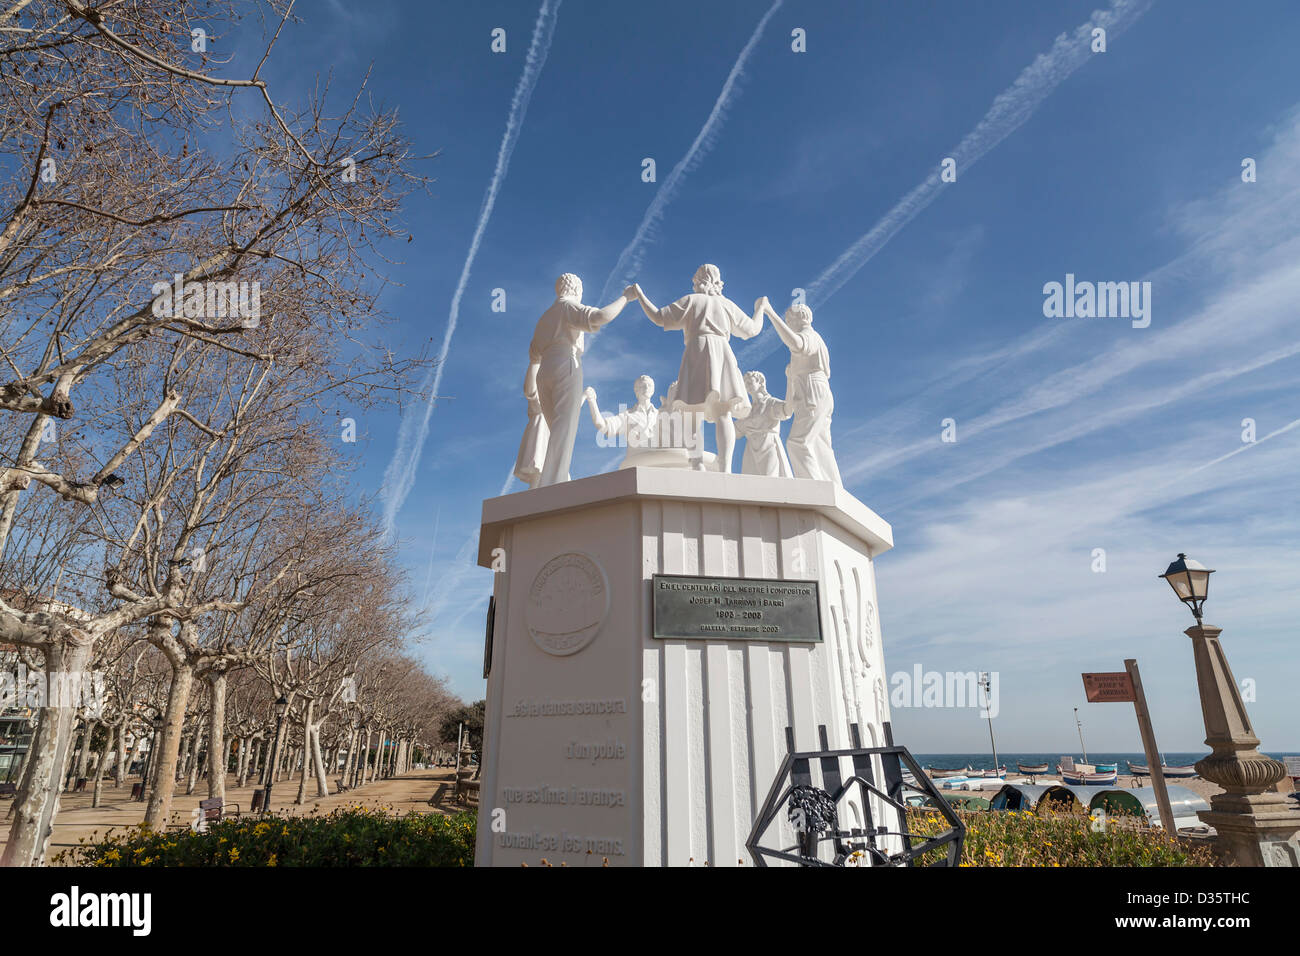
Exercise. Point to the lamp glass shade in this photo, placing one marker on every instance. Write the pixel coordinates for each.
(281, 705)
(1189, 578)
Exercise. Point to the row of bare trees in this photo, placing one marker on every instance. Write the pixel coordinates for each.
(188, 298)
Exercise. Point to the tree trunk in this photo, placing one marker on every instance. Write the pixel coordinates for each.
(84, 753)
(38, 801)
(119, 771)
(250, 762)
(217, 750)
(322, 784)
(183, 761)
(160, 799)
(281, 749)
(99, 771)
(194, 762)
(347, 761)
(306, 738)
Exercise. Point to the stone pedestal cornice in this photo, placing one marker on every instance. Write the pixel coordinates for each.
(1256, 827)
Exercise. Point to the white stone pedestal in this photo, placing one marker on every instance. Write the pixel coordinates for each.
(604, 743)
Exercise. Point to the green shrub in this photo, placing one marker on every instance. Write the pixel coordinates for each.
(350, 836)
(1022, 838)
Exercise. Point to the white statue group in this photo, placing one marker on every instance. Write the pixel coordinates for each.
(709, 388)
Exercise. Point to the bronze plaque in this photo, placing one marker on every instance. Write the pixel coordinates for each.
(689, 607)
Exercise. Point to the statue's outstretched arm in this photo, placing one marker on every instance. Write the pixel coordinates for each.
(610, 312)
(648, 307)
(788, 335)
(589, 396)
(606, 426)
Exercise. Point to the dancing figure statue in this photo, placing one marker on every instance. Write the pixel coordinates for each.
(654, 437)
(761, 429)
(639, 425)
(808, 395)
(709, 384)
(554, 378)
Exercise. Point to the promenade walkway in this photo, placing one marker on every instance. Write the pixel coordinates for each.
(77, 819)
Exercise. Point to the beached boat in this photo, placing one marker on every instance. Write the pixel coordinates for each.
(940, 772)
(1085, 778)
(1106, 767)
(989, 774)
(1032, 768)
(1085, 774)
(1144, 770)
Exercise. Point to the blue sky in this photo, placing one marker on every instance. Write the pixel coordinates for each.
(1072, 433)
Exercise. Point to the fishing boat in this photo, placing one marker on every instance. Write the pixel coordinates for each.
(1144, 770)
(991, 774)
(1107, 767)
(937, 773)
(1032, 768)
(1082, 778)
(1085, 774)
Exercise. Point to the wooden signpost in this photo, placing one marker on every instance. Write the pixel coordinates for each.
(1123, 686)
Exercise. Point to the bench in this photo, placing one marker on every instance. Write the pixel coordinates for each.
(137, 791)
(211, 810)
(340, 786)
(9, 790)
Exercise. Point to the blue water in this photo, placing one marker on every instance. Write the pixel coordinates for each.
(984, 761)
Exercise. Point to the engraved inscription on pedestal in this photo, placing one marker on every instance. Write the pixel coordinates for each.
(735, 609)
(567, 603)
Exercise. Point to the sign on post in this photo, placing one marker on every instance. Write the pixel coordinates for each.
(1123, 687)
(1115, 687)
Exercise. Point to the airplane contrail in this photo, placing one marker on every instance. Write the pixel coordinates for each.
(465, 563)
(399, 478)
(630, 259)
(1009, 111)
(1273, 434)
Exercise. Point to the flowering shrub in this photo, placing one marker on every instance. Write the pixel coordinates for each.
(1022, 838)
(349, 836)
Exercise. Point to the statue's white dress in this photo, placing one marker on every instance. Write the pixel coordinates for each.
(761, 429)
(709, 380)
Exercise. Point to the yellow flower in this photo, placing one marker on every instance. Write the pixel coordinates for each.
(271, 861)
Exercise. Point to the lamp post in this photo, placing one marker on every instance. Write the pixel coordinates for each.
(1254, 824)
(986, 684)
(281, 708)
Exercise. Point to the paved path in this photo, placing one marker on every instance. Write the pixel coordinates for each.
(77, 820)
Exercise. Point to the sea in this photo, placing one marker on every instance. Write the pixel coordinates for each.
(1009, 759)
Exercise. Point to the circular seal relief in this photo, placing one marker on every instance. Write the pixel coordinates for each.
(567, 603)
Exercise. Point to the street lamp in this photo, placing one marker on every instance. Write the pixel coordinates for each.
(281, 708)
(1254, 825)
(1191, 582)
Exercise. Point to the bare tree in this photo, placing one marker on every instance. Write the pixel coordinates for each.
(155, 229)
